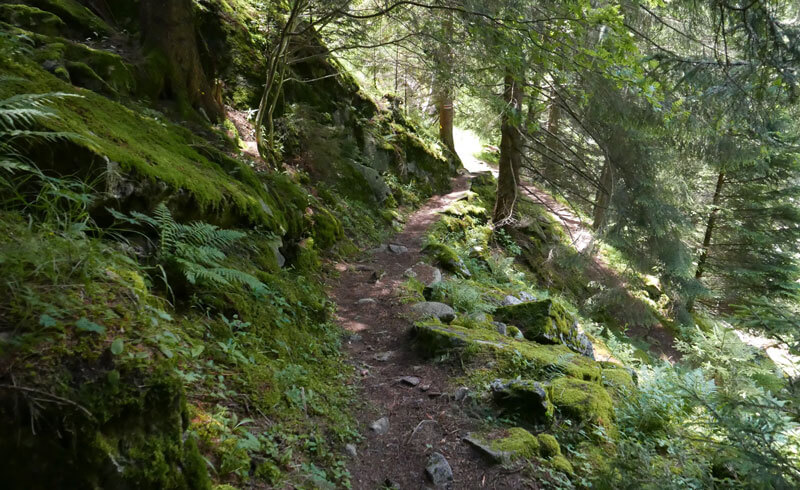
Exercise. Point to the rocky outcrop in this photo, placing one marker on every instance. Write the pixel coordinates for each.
(546, 322)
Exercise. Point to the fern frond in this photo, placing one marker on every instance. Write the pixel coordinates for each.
(168, 228)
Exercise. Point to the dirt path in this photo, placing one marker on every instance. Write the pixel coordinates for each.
(422, 419)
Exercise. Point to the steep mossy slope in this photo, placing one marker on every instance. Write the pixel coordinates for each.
(130, 361)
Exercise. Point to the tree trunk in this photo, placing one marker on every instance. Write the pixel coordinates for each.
(710, 224)
(603, 196)
(553, 126)
(510, 152)
(168, 27)
(444, 89)
(444, 105)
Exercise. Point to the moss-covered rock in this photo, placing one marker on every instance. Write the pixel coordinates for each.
(549, 446)
(582, 401)
(506, 446)
(527, 398)
(78, 17)
(32, 19)
(543, 360)
(546, 322)
(117, 435)
(447, 258)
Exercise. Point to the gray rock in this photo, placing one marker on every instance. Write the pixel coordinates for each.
(275, 245)
(380, 249)
(397, 249)
(431, 309)
(529, 398)
(461, 394)
(380, 426)
(376, 183)
(424, 273)
(367, 301)
(503, 457)
(502, 328)
(383, 356)
(526, 297)
(510, 300)
(351, 451)
(410, 380)
(438, 470)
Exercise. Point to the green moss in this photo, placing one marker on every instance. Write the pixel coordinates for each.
(562, 464)
(518, 443)
(515, 356)
(549, 446)
(582, 401)
(32, 18)
(149, 148)
(618, 380)
(327, 230)
(75, 15)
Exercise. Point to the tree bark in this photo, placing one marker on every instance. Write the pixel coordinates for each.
(444, 90)
(168, 27)
(712, 220)
(603, 197)
(510, 152)
(710, 224)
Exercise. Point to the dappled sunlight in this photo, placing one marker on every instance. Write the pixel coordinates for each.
(468, 147)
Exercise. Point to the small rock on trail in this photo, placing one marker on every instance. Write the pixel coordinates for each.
(432, 309)
(397, 249)
(380, 426)
(410, 380)
(439, 470)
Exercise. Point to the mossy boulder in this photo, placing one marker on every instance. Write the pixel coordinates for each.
(32, 19)
(548, 446)
(544, 360)
(506, 446)
(582, 401)
(447, 258)
(125, 431)
(527, 398)
(78, 17)
(547, 322)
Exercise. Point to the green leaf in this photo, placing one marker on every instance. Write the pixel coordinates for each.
(166, 351)
(47, 321)
(89, 326)
(197, 350)
(117, 346)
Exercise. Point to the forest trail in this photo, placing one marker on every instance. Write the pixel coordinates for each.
(425, 413)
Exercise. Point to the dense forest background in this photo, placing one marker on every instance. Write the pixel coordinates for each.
(186, 185)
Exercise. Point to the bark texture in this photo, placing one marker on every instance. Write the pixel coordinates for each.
(169, 28)
(510, 152)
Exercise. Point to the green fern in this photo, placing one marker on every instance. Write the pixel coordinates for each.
(196, 249)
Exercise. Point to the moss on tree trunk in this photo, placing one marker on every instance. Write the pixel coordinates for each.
(168, 28)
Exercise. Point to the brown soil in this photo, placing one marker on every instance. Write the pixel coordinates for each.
(422, 419)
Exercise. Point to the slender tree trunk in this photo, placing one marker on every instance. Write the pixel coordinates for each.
(510, 152)
(553, 121)
(603, 197)
(712, 221)
(273, 87)
(710, 224)
(168, 27)
(444, 95)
